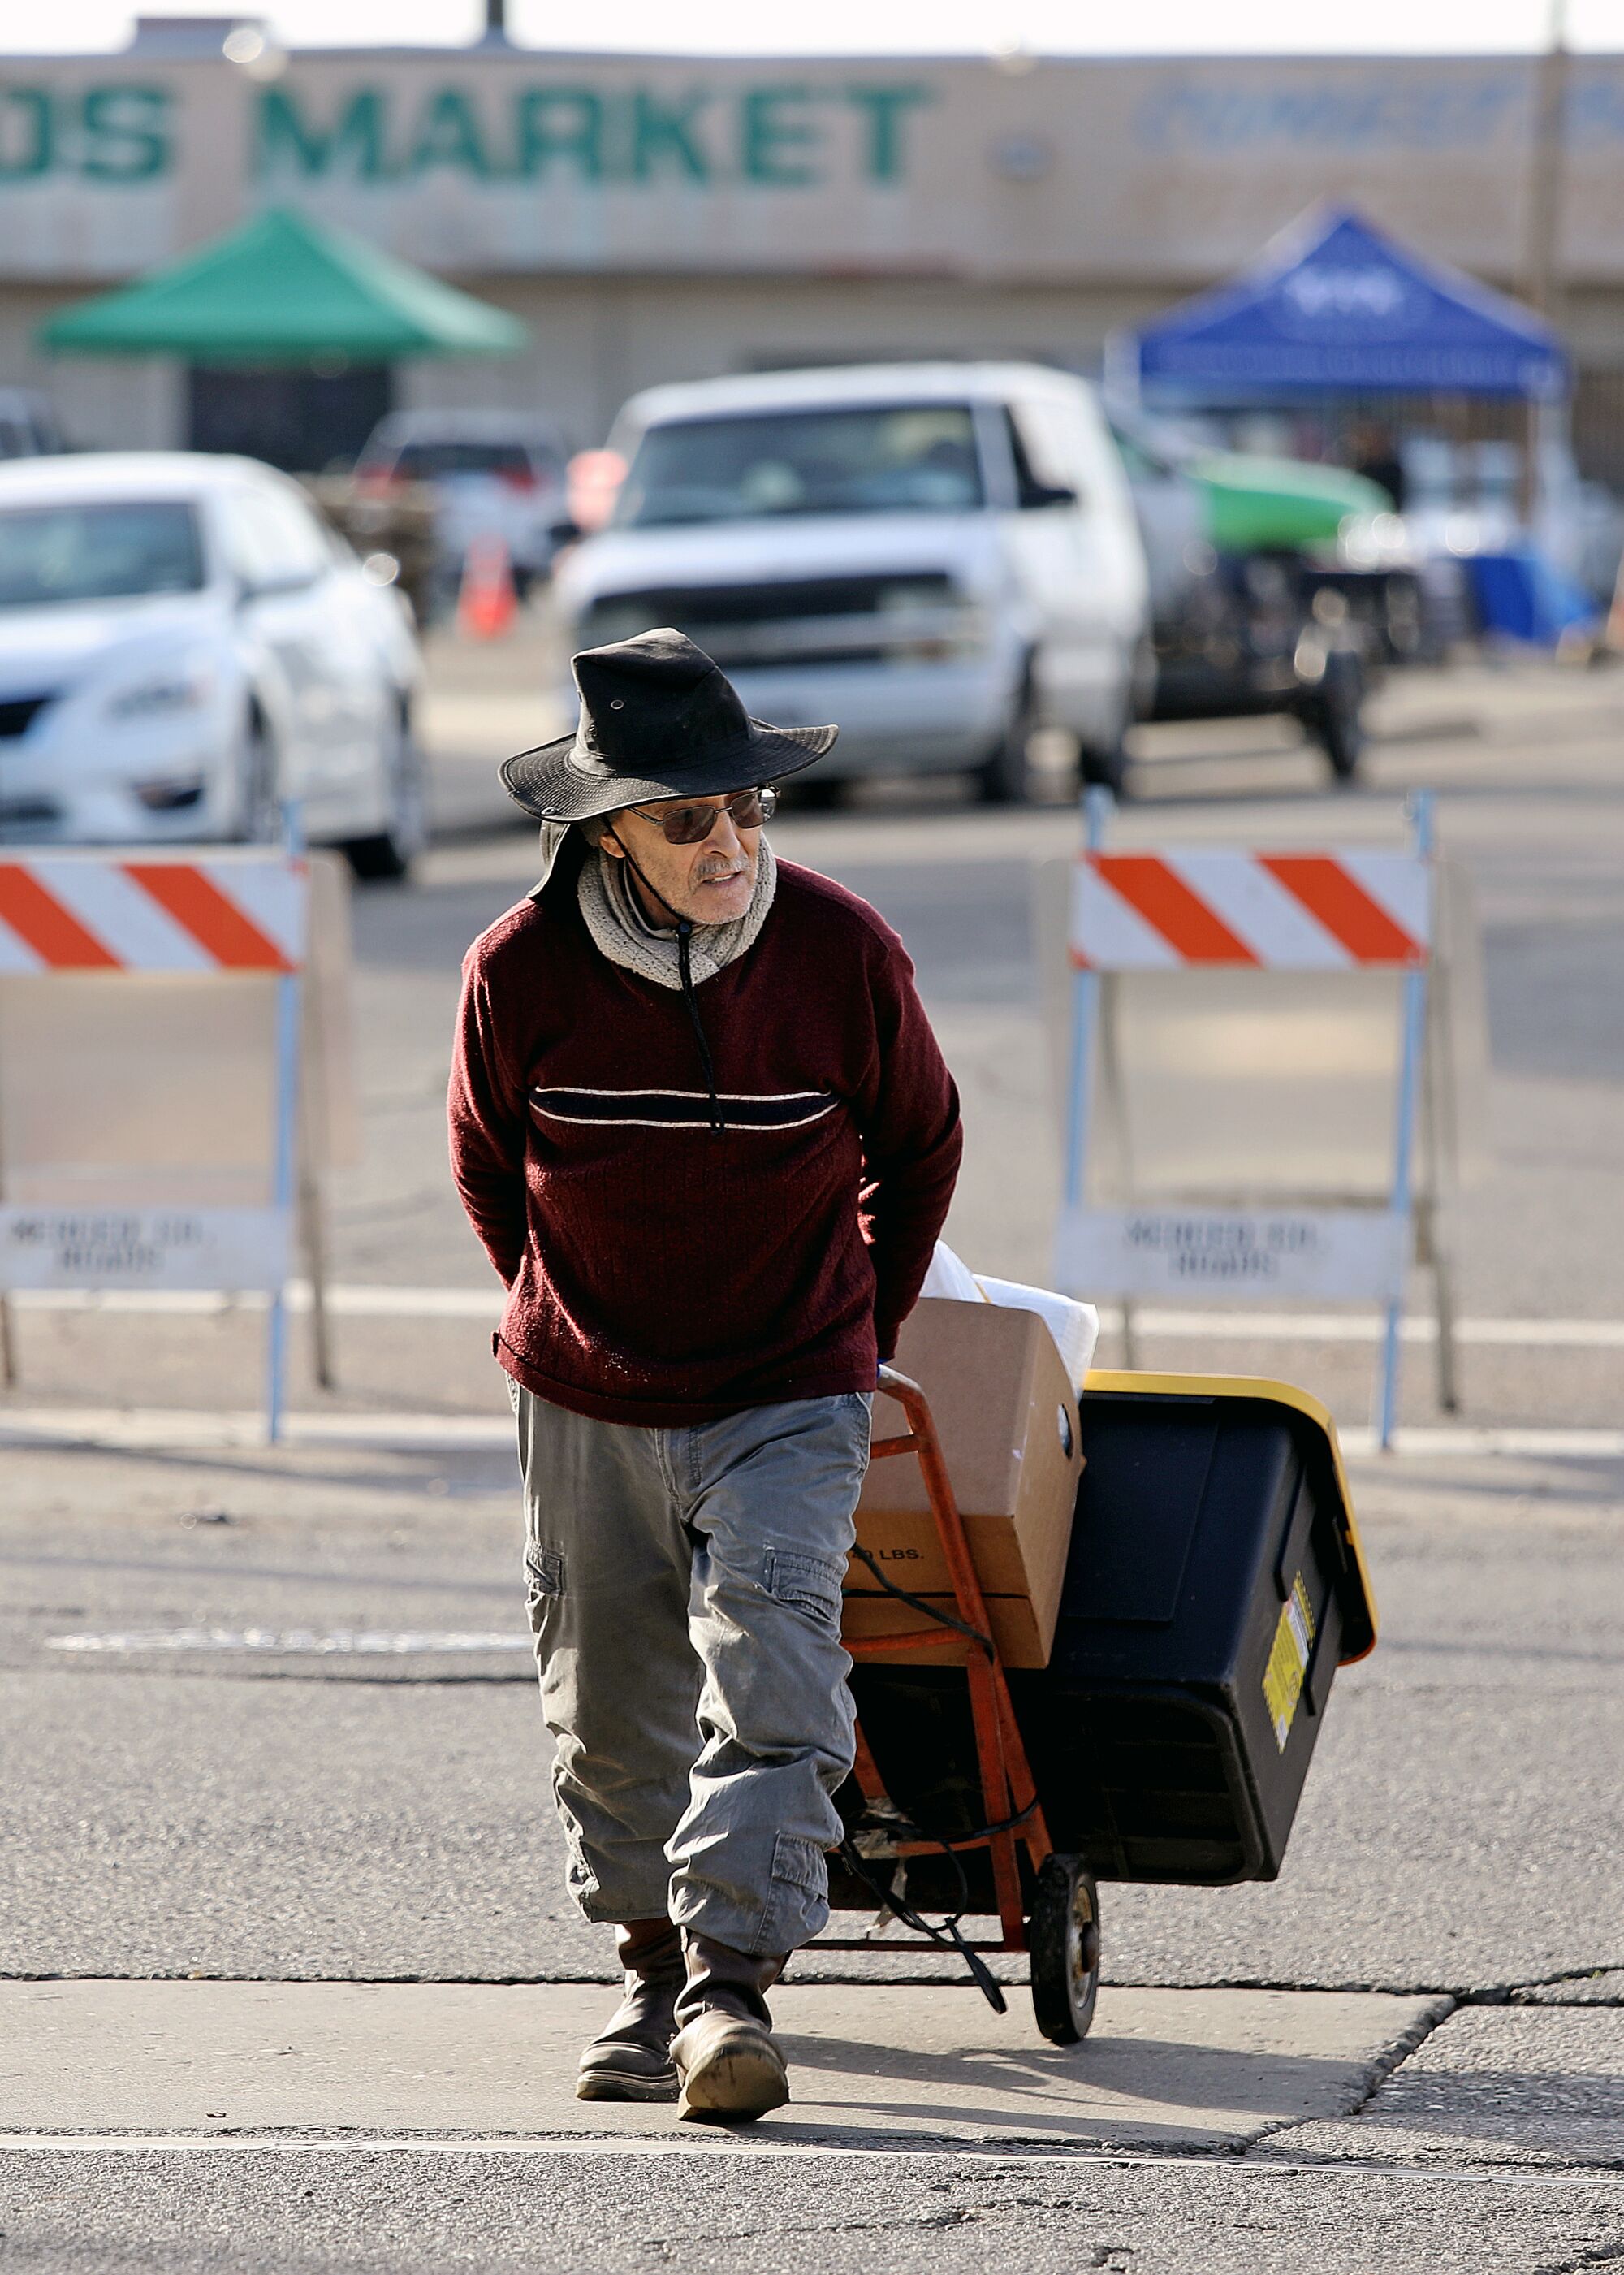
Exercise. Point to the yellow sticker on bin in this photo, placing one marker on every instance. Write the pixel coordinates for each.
(1289, 1656)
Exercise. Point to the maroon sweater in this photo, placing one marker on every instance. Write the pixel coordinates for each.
(660, 1271)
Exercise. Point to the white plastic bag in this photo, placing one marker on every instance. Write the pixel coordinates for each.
(951, 1278)
(1075, 1326)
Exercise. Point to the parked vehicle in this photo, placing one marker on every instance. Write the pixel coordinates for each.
(183, 645)
(493, 473)
(942, 557)
(28, 428)
(1245, 620)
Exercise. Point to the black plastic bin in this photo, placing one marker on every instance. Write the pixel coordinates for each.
(1215, 1583)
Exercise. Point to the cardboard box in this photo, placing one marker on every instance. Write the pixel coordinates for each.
(1014, 1624)
(1007, 1422)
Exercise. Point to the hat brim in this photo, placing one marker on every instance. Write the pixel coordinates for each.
(546, 784)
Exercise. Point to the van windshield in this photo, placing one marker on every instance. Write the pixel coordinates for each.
(902, 458)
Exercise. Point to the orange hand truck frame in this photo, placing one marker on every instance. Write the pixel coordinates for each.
(1061, 1931)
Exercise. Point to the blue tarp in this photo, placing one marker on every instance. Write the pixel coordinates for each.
(1521, 596)
(1333, 305)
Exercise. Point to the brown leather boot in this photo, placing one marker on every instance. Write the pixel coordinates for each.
(728, 2067)
(631, 2058)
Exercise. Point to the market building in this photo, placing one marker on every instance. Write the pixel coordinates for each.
(651, 218)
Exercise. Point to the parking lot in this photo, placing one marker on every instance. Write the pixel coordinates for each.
(270, 1734)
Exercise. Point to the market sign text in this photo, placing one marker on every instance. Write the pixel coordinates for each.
(782, 134)
(114, 134)
(777, 135)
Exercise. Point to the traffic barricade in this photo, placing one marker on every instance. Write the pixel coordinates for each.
(171, 1081)
(1252, 1036)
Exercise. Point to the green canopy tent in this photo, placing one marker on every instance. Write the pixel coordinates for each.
(290, 327)
(285, 290)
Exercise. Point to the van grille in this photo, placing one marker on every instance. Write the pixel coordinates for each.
(794, 621)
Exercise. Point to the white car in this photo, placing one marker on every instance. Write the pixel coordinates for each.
(185, 645)
(939, 557)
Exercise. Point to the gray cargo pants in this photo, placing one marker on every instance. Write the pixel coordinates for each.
(683, 1589)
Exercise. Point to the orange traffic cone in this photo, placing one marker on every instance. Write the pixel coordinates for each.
(487, 603)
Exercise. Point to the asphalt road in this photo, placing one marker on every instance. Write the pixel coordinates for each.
(280, 1799)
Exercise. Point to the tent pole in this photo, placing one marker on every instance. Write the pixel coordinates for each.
(1541, 282)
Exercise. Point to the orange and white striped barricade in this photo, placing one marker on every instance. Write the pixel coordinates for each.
(187, 915)
(1216, 908)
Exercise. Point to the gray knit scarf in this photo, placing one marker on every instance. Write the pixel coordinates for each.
(624, 934)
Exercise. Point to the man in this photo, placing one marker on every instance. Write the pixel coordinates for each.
(700, 1123)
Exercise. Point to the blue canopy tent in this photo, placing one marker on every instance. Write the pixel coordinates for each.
(1333, 306)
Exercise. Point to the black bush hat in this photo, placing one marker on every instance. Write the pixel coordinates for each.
(659, 718)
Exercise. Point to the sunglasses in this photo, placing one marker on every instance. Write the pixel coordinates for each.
(691, 824)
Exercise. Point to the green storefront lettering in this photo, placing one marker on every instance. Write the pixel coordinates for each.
(562, 122)
(449, 135)
(26, 138)
(780, 139)
(882, 109)
(774, 143)
(109, 135)
(286, 142)
(126, 134)
(664, 138)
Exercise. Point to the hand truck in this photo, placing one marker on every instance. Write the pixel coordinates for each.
(1048, 1905)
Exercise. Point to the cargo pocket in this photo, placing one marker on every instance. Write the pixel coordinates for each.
(798, 1905)
(807, 1583)
(544, 1578)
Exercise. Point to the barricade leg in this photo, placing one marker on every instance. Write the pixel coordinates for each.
(313, 1237)
(1403, 1155)
(1431, 1251)
(288, 994)
(1085, 1018)
(284, 1151)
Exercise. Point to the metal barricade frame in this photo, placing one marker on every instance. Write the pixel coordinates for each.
(1346, 909)
(192, 910)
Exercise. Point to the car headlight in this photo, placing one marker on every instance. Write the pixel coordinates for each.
(163, 697)
(953, 626)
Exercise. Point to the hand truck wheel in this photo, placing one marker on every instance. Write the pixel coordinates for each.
(1063, 1939)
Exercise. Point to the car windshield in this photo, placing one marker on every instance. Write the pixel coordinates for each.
(903, 458)
(98, 551)
(427, 462)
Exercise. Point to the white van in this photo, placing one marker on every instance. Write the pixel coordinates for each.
(940, 558)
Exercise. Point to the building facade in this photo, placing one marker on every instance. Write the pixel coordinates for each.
(652, 218)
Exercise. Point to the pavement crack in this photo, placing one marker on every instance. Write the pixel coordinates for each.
(1397, 2051)
(1605, 2254)
(1520, 1993)
(1463, 1995)
(669, 2247)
